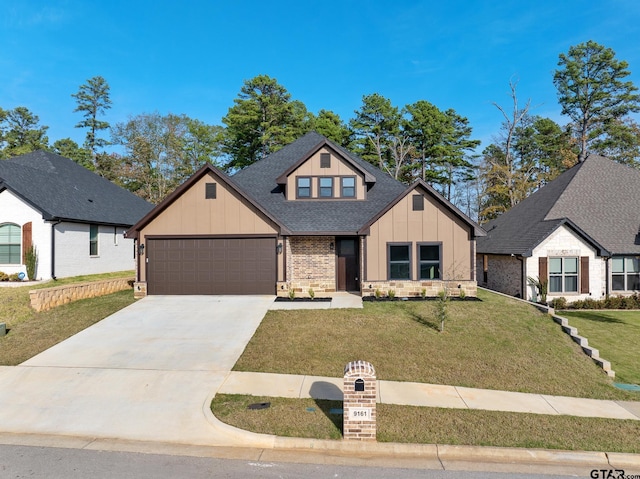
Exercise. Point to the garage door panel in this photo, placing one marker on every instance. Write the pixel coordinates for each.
(211, 266)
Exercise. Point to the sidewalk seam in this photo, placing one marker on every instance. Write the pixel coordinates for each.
(461, 398)
(550, 405)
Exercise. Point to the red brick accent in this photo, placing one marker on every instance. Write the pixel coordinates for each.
(362, 401)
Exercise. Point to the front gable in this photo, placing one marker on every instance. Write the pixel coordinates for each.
(418, 217)
(206, 205)
(325, 173)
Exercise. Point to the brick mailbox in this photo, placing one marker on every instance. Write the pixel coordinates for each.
(360, 393)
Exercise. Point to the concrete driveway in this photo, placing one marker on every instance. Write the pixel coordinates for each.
(146, 373)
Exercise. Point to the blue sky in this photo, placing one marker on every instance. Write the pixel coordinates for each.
(192, 57)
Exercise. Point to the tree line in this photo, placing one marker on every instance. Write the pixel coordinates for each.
(419, 140)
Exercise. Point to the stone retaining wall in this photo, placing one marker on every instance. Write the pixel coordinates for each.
(411, 289)
(48, 298)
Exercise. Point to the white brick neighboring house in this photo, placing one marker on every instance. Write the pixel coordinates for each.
(580, 233)
(75, 218)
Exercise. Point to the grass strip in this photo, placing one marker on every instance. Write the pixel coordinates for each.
(311, 418)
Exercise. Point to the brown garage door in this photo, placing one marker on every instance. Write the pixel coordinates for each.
(211, 266)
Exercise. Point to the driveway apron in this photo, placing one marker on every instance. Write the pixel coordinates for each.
(145, 373)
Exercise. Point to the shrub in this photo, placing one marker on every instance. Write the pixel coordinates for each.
(378, 293)
(559, 303)
(312, 293)
(292, 293)
(391, 294)
(14, 277)
(31, 262)
(423, 293)
(4, 276)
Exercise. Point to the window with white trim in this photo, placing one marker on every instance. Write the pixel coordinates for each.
(563, 275)
(625, 273)
(10, 244)
(93, 240)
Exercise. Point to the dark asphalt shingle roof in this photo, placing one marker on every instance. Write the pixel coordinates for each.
(259, 181)
(599, 198)
(61, 189)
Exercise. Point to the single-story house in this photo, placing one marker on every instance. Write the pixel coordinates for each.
(75, 219)
(310, 216)
(580, 233)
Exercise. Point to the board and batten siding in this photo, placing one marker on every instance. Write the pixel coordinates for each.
(434, 224)
(193, 214)
(338, 168)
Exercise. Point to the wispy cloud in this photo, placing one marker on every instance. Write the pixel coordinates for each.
(28, 15)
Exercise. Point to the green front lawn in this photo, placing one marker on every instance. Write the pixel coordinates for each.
(498, 343)
(616, 334)
(31, 333)
(314, 418)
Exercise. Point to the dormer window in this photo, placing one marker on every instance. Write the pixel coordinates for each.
(348, 186)
(325, 187)
(303, 187)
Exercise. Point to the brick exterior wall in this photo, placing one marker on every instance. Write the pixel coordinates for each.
(310, 264)
(504, 273)
(408, 289)
(49, 298)
(359, 425)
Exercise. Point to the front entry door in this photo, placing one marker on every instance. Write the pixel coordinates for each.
(348, 268)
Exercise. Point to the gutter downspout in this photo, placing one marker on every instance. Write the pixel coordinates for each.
(523, 281)
(53, 249)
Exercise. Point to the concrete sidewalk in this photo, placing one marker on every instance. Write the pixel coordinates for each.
(429, 395)
(339, 299)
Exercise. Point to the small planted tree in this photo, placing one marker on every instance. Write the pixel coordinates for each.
(441, 307)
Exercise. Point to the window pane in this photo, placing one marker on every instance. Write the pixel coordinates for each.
(399, 253)
(430, 252)
(633, 265)
(617, 265)
(555, 284)
(617, 282)
(304, 187)
(429, 271)
(93, 240)
(399, 271)
(346, 246)
(304, 182)
(571, 265)
(348, 187)
(633, 282)
(326, 187)
(571, 284)
(10, 254)
(555, 265)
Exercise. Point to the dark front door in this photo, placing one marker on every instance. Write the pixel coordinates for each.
(348, 270)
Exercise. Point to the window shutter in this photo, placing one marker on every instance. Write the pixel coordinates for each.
(584, 274)
(543, 271)
(27, 241)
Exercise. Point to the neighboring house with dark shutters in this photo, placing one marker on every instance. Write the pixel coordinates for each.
(310, 216)
(580, 232)
(75, 219)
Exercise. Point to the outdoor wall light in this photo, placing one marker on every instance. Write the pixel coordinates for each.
(141, 249)
(279, 248)
(331, 246)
